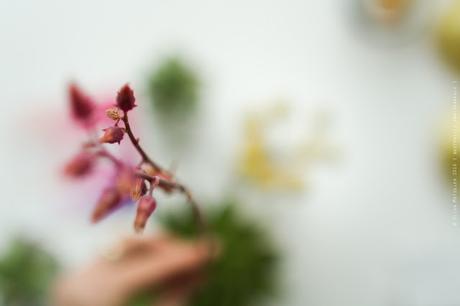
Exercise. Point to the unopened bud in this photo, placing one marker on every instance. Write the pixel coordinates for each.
(138, 189)
(167, 178)
(80, 165)
(81, 106)
(125, 181)
(162, 175)
(114, 113)
(148, 168)
(125, 98)
(113, 134)
(147, 205)
(109, 200)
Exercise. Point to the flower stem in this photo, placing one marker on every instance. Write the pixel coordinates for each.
(162, 182)
(135, 142)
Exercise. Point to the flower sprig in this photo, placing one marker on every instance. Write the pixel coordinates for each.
(131, 182)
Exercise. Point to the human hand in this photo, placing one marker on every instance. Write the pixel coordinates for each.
(136, 265)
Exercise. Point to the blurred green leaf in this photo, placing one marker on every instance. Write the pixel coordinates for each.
(246, 269)
(174, 88)
(26, 270)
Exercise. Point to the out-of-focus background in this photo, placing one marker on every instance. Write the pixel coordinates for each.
(367, 218)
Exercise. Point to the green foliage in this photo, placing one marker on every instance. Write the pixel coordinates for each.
(174, 88)
(142, 299)
(246, 267)
(26, 271)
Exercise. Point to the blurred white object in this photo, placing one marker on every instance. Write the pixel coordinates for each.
(393, 21)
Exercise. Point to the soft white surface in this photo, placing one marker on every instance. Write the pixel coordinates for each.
(373, 230)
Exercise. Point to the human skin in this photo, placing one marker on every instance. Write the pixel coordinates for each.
(170, 265)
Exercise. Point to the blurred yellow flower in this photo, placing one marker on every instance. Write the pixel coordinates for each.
(257, 163)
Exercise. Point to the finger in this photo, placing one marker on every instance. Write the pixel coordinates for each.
(134, 246)
(177, 259)
(137, 241)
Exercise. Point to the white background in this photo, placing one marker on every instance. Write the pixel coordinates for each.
(374, 229)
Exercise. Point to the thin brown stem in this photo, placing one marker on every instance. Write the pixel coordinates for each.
(137, 146)
(162, 182)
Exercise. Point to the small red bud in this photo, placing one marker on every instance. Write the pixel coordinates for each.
(125, 181)
(109, 200)
(81, 106)
(138, 189)
(147, 168)
(167, 177)
(147, 205)
(80, 165)
(113, 134)
(126, 99)
(160, 174)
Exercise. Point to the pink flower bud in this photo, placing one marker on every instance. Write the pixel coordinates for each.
(162, 175)
(108, 201)
(113, 134)
(145, 208)
(138, 189)
(81, 106)
(125, 181)
(80, 165)
(165, 187)
(126, 99)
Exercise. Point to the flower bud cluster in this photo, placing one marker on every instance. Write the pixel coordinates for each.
(129, 184)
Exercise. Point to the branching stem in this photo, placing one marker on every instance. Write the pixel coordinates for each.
(137, 146)
(167, 184)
